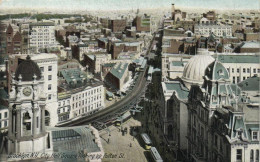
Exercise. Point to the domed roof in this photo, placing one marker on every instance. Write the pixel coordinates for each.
(216, 71)
(27, 69)
(194, 70)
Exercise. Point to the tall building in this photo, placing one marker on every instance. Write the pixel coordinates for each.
(13, 41)
(48, 64)
(142, 23)
(42, 35)
(27, 131)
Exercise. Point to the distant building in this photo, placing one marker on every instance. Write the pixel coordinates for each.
(218, 30)
(142, 23)
(13, 41)
(117, 25)
(94, 61)
(42, 35)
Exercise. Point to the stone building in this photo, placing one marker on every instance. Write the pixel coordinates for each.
(27, 108)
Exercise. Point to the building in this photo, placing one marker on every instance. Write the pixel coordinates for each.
(48, 64)
(117, 25)
(78, 94)
(174, 113)
(13, 41)
(4, 116)
(240, 66)
(42, 35)
(222, 125)
(94, 61)
(218, 30)
(27, 102)
(142, 23)
(118, 76)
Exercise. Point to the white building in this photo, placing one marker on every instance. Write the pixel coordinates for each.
(173, 65)
(240, 66)
(48, 64)
(87, 101)
(218, 30)
(42, 35)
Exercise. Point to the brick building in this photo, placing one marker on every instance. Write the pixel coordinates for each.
(142, 23)
(117, 25)
(13, 41)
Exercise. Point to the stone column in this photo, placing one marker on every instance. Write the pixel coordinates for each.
(33, 122)
(43, 118)
(18, 123)
(10, 124)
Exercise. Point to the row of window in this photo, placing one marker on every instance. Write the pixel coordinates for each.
(92, 92)
(248, 70)
(239, 155)
(89, 108)
(87, 101)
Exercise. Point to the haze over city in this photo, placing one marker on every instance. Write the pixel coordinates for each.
(90, 5)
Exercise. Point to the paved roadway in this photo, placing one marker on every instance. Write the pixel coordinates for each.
(130, 100)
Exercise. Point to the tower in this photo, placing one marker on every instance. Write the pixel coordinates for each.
(26, 132)
(173, 11)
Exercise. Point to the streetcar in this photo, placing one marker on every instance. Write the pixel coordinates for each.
(156, 157)
(146, 141)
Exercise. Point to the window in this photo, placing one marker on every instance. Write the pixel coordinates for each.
(37, 122)
(234, 79)
(42, 69)
(238, 80)
(244, 78)
(5, 114)
(5, 123)
(238, 70)
(232, 70)
(239, 154)
(258, 70)
(49, 87)
(59, 104)
(49, 97)
(0, 115)
(248, 70)
(216, 140)
(257, 155)
(252, 155)
(254, 70)
(244, 70)
(255, 135)
(49, 68)
(49, 77)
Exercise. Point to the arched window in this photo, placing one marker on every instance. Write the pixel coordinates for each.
(257, 156)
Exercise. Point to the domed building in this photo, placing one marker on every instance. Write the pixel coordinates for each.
(27, 70)
(194, 70)
(27, 106)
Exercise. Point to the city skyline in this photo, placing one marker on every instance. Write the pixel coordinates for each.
(91, 5)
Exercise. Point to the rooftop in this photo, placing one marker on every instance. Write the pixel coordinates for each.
(239, 58)
(250, 84)
(119, 69)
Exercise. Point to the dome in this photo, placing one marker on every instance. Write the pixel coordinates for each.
(216, 71)
(27, 69)
(194, 70)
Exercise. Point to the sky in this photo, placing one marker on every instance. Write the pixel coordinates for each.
(127, 4)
